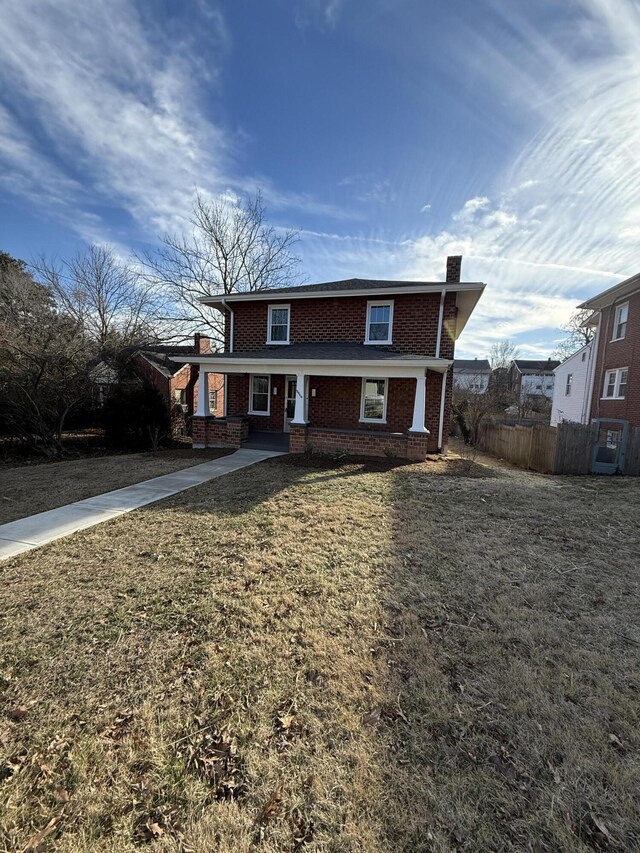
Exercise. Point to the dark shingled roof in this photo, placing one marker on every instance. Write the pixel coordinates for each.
(538, 365)
(348, 284)
(471, 364)
(328, 351)
(160, 357)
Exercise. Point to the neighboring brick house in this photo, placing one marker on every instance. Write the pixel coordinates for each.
(616, 378)
(177, 381)
(358, 365)
(471, 374)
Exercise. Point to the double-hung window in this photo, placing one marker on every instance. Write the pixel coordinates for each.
(373, 402)
(379, 322)
(620, 324)
(259, 394)
(213, 399)
(278, 324)
(615, 384)
(567, 390)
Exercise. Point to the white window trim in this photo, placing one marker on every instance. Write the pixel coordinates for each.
(250, 407)
(270, 309)
(363, 386)
(568, 385)
(373, 304)
(616, 322)
(618, 374)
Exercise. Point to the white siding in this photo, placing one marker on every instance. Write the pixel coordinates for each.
(574, 406)
(467, 381)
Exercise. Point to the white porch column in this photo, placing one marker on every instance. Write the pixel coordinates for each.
(203, 394)
(299, 414)
(419, 404)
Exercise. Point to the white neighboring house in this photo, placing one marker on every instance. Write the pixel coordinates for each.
(531, 378)
(472, 374)
(573, 387)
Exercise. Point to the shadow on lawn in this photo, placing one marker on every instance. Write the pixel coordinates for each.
(505, 673)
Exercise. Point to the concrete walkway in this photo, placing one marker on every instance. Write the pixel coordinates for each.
(36, 530)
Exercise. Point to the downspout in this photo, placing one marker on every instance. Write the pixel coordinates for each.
(230, 310)
(440, 321)
(591, 371)
(443, 395)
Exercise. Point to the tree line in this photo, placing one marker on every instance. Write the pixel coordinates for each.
(59, 318)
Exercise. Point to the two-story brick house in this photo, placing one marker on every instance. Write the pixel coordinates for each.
(358, 365)
(616, 378)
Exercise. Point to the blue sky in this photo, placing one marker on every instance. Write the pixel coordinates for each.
(391, 132)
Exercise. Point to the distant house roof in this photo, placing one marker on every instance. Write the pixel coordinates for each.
(535, 365)
(471, 365)
(160, 358)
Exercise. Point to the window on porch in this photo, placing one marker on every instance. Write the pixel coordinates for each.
(259, 394)
(373, 404)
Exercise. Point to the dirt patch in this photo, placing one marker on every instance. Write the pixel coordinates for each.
(28, 490)
(314, 659)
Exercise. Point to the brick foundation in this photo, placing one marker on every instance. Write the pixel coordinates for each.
(410, 445)
(219, 432)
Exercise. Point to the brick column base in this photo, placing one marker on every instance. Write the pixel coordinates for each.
(297, 438)
(219, 432)
(417, 445)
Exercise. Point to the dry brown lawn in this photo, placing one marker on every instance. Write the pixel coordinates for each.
(27, 490)
(330, 658)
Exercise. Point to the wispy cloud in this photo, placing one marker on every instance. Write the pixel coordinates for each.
(563, 222)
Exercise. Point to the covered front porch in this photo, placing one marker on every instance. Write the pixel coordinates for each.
(378, 403)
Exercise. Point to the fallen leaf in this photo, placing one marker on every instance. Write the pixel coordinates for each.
(18, 713)
(36, 840)
(372, 718)
(272, 806)
(155, 830)
(61, 796)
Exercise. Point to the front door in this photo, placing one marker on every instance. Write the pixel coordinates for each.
(289, 401)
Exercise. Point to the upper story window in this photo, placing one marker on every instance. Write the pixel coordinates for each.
(567, 390)
(379, 322)
(615, 384)
(278, 324)
(620, 324)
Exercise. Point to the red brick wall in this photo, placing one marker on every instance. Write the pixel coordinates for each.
(216, 382)
(343, 320)
(411, 446)
(612, 354)
(147, 371)
(337, 404)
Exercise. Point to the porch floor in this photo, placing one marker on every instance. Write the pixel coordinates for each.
(278, 441)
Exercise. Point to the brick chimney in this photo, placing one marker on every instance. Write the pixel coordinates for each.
(454, 267)
(201, 343)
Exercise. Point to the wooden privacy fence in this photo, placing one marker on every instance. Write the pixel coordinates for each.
(565, 449)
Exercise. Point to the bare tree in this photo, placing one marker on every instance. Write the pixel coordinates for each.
(578, 332)
(112, 304)
(229, 248)
(501, 354)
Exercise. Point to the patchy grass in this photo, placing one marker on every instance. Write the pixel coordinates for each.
(330, 659)
(28, 490)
